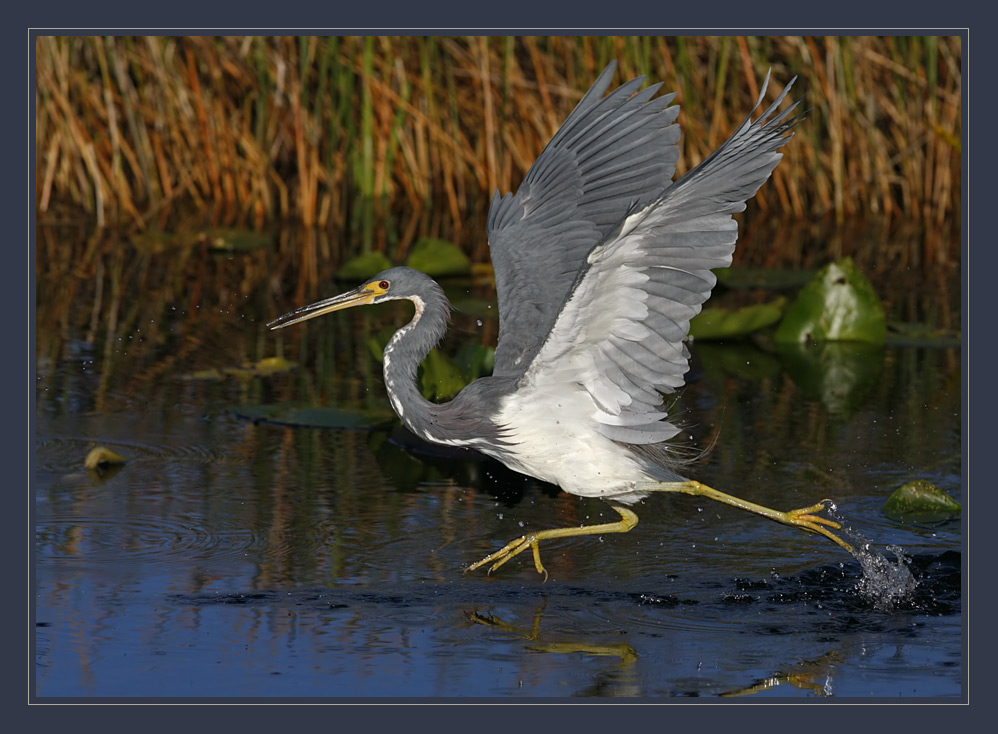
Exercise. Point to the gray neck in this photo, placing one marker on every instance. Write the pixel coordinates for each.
(403, 353)
(464, 421)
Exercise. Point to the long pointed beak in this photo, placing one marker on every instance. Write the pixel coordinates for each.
(358, 297)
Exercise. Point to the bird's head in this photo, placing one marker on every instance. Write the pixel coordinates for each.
(388, 285)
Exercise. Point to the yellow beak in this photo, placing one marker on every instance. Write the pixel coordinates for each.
(362, 296)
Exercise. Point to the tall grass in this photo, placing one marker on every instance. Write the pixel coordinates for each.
(385, 139)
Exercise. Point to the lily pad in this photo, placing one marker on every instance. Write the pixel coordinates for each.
(442, 379)
(475, 360)
(438, 258)
(225, 239)
(839, 375)
(742, 359)
(264, 368)
(720, 323)
(483, 273)
(102, 457)
(364, 266)
(155, 241)
(839, 304)
(920, 501)
(211, 374)
(309, 416)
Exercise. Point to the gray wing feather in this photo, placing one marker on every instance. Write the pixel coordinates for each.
(611, 153)
(621, 333)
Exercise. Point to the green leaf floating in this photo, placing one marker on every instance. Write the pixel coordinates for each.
(101, 457)
(264, 368)
(442, 379)
(363, 267)
(475, 360)
(156, 241)
(741, 359)
(438, 258)
(839, 304)
(719, 323)
(920, 501)
(225, 239)
(839, 375)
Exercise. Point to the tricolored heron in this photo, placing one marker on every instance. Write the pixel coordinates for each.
(600, 262)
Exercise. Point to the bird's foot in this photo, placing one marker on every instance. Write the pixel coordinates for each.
(806, 519)
(627, 521)
(511, 549)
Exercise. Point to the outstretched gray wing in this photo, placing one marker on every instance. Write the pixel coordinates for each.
(611, 153)
(621, 333)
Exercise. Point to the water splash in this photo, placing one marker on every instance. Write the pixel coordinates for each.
(885, 583)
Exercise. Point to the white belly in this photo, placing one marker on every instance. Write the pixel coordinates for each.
(555, 438)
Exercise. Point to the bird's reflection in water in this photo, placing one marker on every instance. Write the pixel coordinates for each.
(814, 676)
(621, 680)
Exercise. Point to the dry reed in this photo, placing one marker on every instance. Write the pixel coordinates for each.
(385, 139)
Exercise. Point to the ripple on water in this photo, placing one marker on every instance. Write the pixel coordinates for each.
(61, 540)
(66, 454)
(868, 592)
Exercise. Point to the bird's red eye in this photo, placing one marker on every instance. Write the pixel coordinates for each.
(383, 285)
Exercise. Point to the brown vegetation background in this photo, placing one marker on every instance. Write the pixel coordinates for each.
(386, 139)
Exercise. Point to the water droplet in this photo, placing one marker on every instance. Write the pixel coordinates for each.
(885, 583)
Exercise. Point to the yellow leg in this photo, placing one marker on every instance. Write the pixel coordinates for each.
(804, 518)
(627, 521)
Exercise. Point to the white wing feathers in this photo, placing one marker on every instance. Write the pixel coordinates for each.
(613, 151)
(621, 332)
